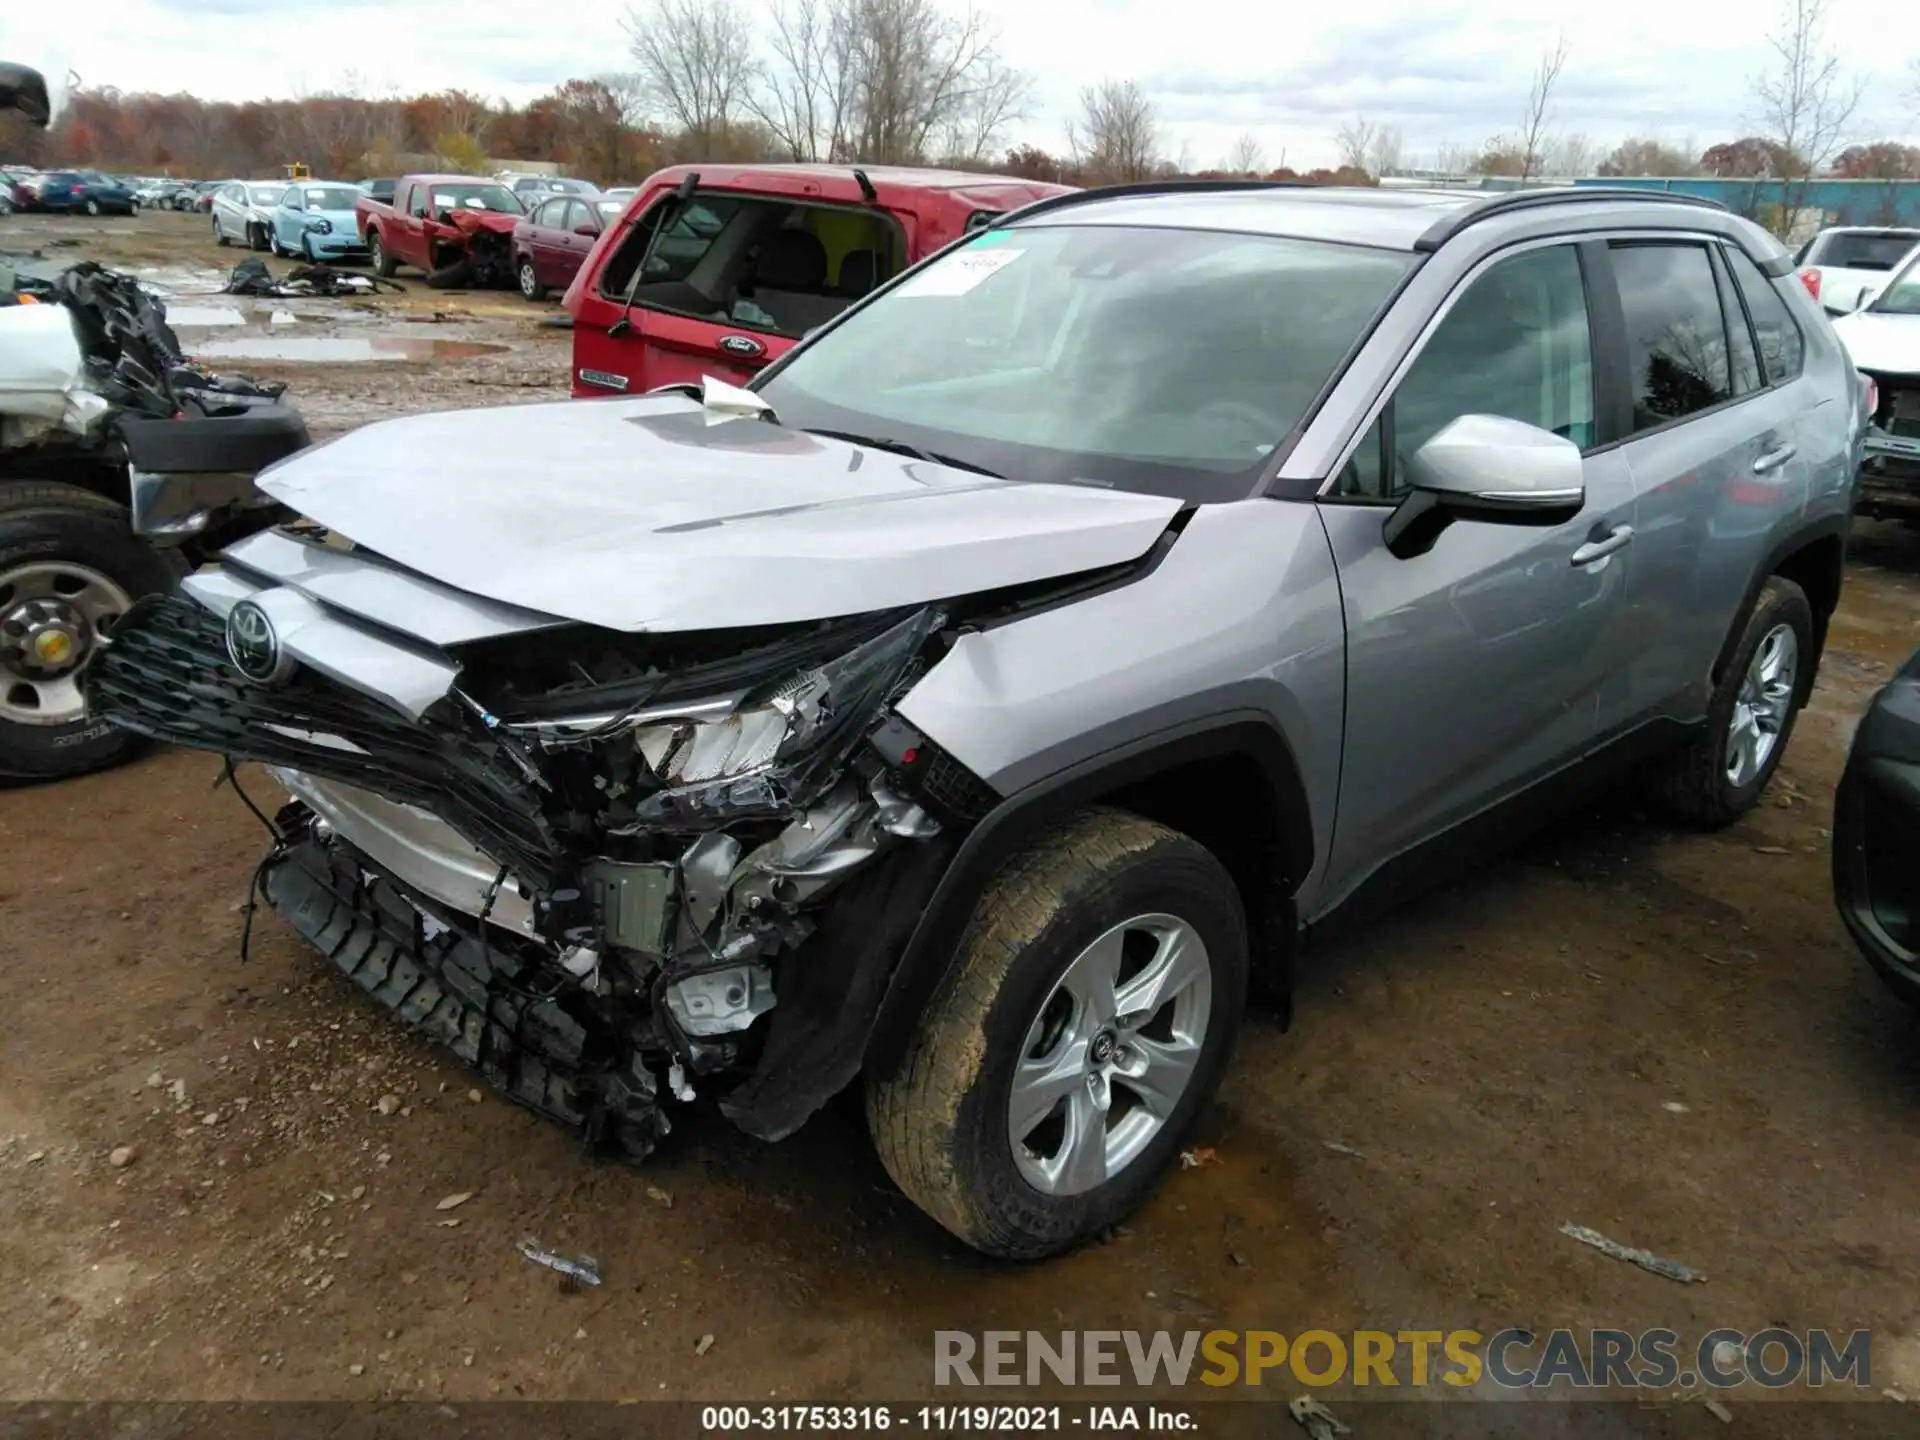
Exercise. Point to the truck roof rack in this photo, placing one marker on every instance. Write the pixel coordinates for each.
(1444, 230)
(1170, 186)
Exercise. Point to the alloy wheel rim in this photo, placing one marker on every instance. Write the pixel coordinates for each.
(52, 615)
(1110, 1054)
(1762, 706)
(527, 279)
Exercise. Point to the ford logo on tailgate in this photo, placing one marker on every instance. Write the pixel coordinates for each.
(742, 345)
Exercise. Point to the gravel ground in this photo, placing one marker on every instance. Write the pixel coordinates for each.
(225, 1179)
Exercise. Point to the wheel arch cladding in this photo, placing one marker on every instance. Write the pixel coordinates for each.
(1814, 558)
(1231, 783)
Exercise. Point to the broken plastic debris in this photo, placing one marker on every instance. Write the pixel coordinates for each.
(729, 402)
(706, 1344)
(453, 1201)
(1197, 1158)
(583, 1271)
(1719, 1412)
(1316, 1419)
(1339, 1149)
(1645, 1259)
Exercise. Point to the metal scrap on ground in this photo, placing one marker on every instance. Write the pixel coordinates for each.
(1316, 1419)
(583, 1271)
(1645, 1259)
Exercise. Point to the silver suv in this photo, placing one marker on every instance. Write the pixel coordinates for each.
(990, 697)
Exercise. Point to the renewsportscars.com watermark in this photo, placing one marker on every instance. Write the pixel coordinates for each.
(1512, 1359)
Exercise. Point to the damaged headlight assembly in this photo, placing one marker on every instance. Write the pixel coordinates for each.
(775, 761)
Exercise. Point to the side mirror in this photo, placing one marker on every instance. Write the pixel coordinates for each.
(1487, 468)
(26, 91)
(419, 212)
(1863, 299)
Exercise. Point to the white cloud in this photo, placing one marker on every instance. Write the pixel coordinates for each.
(1215, 68)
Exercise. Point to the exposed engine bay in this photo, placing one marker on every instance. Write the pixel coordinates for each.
(471, 249)
(603, 868)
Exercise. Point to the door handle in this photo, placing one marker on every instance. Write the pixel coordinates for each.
(1774, 459)
(1601, 547)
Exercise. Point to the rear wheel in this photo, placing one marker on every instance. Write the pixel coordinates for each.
(1722, 772)
(69, 569)
(92, 207)
(377, 256)
(1088, 1016)
(530, 285)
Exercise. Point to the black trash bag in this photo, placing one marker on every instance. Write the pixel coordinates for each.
(251, 277)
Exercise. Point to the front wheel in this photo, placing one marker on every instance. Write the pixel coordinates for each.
(1722, 772)
(1087, 1017)
(256, 237)
(69, 569)
(219, 235)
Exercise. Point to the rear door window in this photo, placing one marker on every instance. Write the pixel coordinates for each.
(1676, 336)
(1782, 347)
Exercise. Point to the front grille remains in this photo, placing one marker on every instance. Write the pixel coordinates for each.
(165, 674)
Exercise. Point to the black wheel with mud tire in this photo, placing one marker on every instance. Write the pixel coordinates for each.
(69, 566)
(1724, 769)
(1088, 1015)
(377, 256)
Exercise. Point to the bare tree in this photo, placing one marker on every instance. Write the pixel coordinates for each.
(1116, 137)
(1806, 101)
(1539, 112)
(1383, 156)
(1354, 141)
(915, 69)
(1567, 155)
(1246, 157)
(993, 99)
(802, 97)
(695, 59)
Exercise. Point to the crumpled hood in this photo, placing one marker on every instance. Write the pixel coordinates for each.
(1888, 344)
(498, 221)
(656, 514)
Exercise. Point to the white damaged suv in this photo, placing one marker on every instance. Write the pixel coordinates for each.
(979, 706)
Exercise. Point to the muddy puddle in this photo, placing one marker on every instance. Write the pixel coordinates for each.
(336, 349)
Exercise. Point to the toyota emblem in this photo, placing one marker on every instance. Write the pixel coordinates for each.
(253, 647)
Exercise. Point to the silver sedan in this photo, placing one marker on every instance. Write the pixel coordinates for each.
(242, 211)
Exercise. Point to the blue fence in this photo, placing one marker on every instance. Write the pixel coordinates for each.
(1821, 203)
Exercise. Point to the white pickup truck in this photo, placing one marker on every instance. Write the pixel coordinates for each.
(1846, 266)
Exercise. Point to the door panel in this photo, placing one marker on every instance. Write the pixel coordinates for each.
(1480, 666)
(1720, 460)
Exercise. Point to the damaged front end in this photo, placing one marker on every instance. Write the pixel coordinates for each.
(472, 249)
(604, 868)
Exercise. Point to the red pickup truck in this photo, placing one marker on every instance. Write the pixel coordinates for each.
(719, 269)
(456, 228)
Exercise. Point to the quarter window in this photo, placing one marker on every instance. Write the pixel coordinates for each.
(1782, 348)
(1676, 337)
(1515, 344)
(1746, 362)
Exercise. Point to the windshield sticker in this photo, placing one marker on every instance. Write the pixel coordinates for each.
(960, 272)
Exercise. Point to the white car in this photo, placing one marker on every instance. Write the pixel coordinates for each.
(1883, 341)
(242, 210)
(1845, 266)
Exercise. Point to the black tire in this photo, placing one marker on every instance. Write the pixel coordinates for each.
(939, 1120)
(41, 521)
(306, 250)
(92, 207)
(457, 276)
(377, 256)
(219, 235)
(256, 236)
(1694, 787)
(531, 287)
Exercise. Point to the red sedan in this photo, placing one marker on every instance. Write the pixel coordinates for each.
(550, 244)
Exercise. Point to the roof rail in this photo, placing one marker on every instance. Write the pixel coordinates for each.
(1444, 230)
(1172, 186)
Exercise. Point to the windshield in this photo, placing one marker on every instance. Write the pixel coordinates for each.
(266, 194)
(1902, 295)
(1169, 361)
(476, 197)
(329, 197)
(1861, 251)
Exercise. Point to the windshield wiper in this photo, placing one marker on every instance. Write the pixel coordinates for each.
(902, 447)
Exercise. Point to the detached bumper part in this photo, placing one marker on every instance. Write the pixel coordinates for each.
(468, 994)
(189, 475)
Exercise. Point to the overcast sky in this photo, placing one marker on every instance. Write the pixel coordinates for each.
(1214, 68)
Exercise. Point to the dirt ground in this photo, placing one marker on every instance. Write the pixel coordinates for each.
(1668, 1038)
